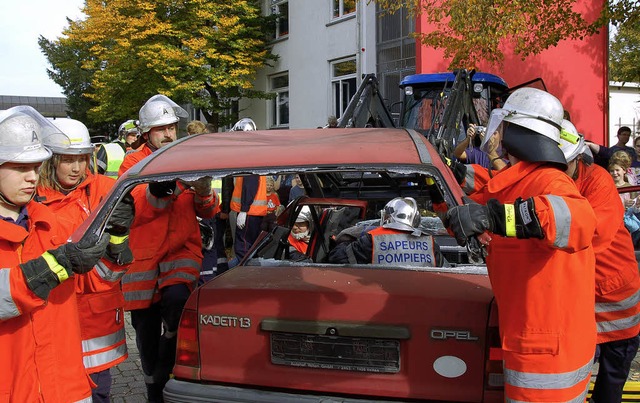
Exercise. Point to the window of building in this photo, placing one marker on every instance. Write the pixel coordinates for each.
(343, 7)
(281, 9)
(280, 105)
(343, 84)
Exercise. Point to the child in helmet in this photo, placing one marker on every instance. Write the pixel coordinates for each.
(68, 187)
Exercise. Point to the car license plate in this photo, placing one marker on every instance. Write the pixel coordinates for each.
(335, 352)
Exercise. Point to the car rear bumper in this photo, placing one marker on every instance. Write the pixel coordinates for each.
(177, 391)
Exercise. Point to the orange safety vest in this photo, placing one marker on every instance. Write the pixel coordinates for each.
(544, 287)
(392, 246)
(104, 343)
(40, 345)
(258, 206)
(617, 279)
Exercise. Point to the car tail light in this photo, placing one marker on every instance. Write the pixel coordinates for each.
(187, 352)
(494, 373)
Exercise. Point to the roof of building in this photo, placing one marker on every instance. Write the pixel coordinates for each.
(48, 106)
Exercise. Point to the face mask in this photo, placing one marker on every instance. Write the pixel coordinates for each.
(300, 235)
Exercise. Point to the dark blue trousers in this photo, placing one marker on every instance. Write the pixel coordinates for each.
(156, 329)
(614, 362)
(245, 237)
(100, 394)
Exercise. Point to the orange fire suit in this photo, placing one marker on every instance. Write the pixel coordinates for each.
(544, 287)
(617, 279)
(101, 306)
(40, 345)
(164, 238)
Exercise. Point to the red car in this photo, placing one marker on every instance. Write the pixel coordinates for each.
(277, 329)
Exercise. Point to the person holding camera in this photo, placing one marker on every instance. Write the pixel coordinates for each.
(468, 150)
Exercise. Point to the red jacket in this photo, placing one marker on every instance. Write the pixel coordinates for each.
(165, 239)
(617, 279)
(40, 345)
(99, 295)
(544, 287)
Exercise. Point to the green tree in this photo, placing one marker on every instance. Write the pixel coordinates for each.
(472, 30)
(201, 52)
(624, 56)
(67, 72)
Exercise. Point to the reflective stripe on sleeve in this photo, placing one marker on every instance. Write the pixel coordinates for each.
(106, 273)
(8, 308)
(618, 324)
(562, 217)
(510, 220)
(159, 203)
(619, 305)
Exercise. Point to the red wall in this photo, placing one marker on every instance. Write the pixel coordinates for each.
(574, 71)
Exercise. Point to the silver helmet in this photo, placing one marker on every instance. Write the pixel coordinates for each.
(22, 131)
(78, 134)
(159, 110)
(401, 213)
(244, 125)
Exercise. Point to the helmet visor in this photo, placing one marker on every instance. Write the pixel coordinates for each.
(493, 134)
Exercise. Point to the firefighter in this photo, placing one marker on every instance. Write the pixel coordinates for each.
(40, 342)
(109, 156)
(300, 234)
(398, 239)
(540, 259)
(617, 280)
(248, 204)
(166, 243)
(72, 192)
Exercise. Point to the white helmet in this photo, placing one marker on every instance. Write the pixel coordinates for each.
(22, 130)
(571, 142)
(533, 133)
(128, 127)
(401, 213)
(244, 125)
(304, 215)
(78, 134)
(159, 110)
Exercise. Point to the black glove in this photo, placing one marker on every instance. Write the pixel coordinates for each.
(162, 189)
(468, 220)
(459, 169)
(513, 220)
(122, 217)
(118, 250)
(82, 256)
(43, 274)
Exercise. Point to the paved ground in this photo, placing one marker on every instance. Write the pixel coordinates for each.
(128, 382)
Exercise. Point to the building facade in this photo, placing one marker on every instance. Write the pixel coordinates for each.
(324, 49)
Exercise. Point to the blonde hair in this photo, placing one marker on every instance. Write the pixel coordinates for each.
(196, 127)
(48, 177)
(621, 158)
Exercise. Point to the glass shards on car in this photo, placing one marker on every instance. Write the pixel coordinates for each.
(353, 290)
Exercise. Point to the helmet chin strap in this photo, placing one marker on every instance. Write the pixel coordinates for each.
(4, 200)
